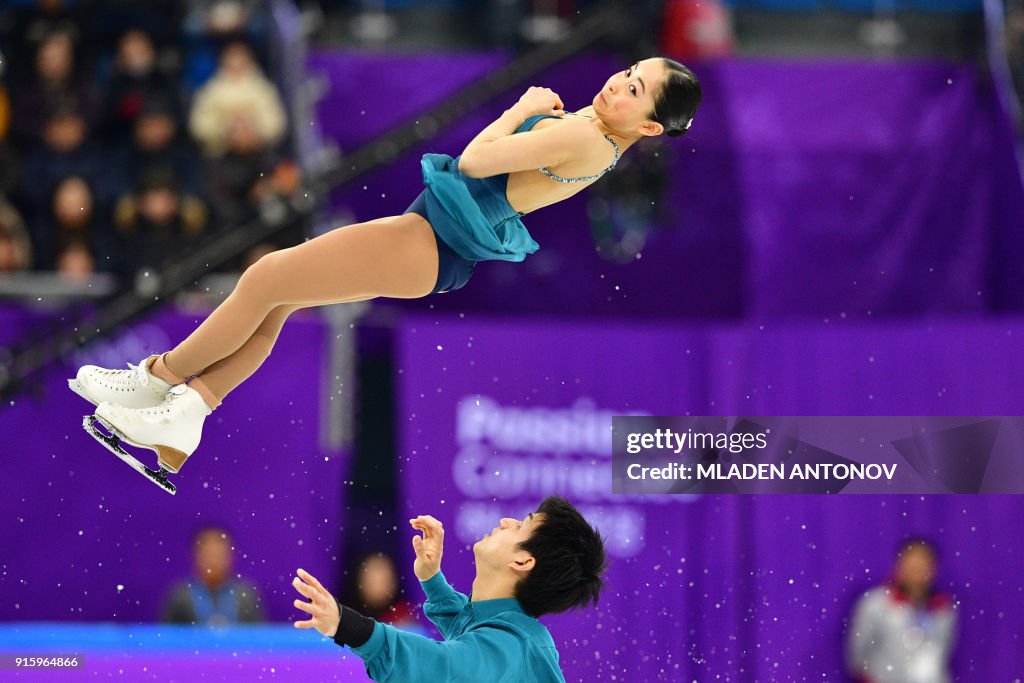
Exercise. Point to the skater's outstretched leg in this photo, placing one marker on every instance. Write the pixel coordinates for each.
(393, 257)
(227, 373)
(147, 384)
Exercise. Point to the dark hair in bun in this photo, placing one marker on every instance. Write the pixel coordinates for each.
(676, 104)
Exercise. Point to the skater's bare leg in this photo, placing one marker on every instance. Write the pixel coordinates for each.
(222, 377)
(227, 373)
(393, 257)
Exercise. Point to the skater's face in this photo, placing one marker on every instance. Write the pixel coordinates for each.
(627, 98)
(500, 549)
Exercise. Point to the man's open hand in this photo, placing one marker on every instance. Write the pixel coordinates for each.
(321, 606)
(428, 547)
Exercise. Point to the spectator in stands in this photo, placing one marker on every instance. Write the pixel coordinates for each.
(210, 24)
(65, 151)
(24, 28)
(15, 246)
(8, 159)
(902, 632)
(159, 20)
(372, 588)
(238, 89)
(226, 18)
(248, 173)
(135, 82)
(157, 142)
(75, 260)
(55, 84)
(72, 225)
(214, 596)
(5, 104)
(1015, 50)
(156, 221)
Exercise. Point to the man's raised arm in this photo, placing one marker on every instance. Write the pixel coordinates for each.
(444, 603)
(391, 654)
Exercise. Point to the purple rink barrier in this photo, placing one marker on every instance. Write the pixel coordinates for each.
(820, 454)
(495, 416)
(848, 189)
(85, 537)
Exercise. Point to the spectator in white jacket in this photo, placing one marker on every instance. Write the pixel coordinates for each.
(903, 631)
(238, 88)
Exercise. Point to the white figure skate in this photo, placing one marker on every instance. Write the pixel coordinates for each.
(135, 387)
(172, 429)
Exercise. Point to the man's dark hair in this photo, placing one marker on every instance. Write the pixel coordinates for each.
(570, 559)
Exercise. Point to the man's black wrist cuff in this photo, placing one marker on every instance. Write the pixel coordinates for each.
(354, 629)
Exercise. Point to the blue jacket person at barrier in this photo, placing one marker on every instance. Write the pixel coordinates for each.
(551, 561)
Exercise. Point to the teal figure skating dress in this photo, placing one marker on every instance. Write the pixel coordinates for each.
(471, 217)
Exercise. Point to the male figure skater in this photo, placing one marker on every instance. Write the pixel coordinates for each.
(548, 562)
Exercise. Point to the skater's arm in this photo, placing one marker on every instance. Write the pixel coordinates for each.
(394, 655)
(496, 150)
(444, 603)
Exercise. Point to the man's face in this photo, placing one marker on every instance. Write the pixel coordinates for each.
(158, 204)
(213, 557)
(154, 132)
(377, 582)
(499, 548)
(64, 132)
(915, 569)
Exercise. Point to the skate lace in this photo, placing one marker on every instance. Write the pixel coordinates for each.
(123, 380)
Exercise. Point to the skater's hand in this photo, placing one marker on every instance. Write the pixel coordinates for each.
(321, 605)
(428, 547)
(540, 101)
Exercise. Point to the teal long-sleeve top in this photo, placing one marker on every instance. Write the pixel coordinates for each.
(487, 640)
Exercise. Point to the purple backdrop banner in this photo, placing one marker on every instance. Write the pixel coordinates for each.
(741, 588)
(856, 189)
(85, 537)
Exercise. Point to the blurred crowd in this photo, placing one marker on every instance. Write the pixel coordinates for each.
(129, 131)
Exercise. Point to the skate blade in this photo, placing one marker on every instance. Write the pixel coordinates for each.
(112, 441)
(74, 386)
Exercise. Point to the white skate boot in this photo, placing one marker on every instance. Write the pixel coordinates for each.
(172, 429)
(135, 387)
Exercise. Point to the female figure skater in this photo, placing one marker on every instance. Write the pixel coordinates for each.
(470, 211)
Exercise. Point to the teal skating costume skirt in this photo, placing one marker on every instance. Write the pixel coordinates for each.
(471, 218)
